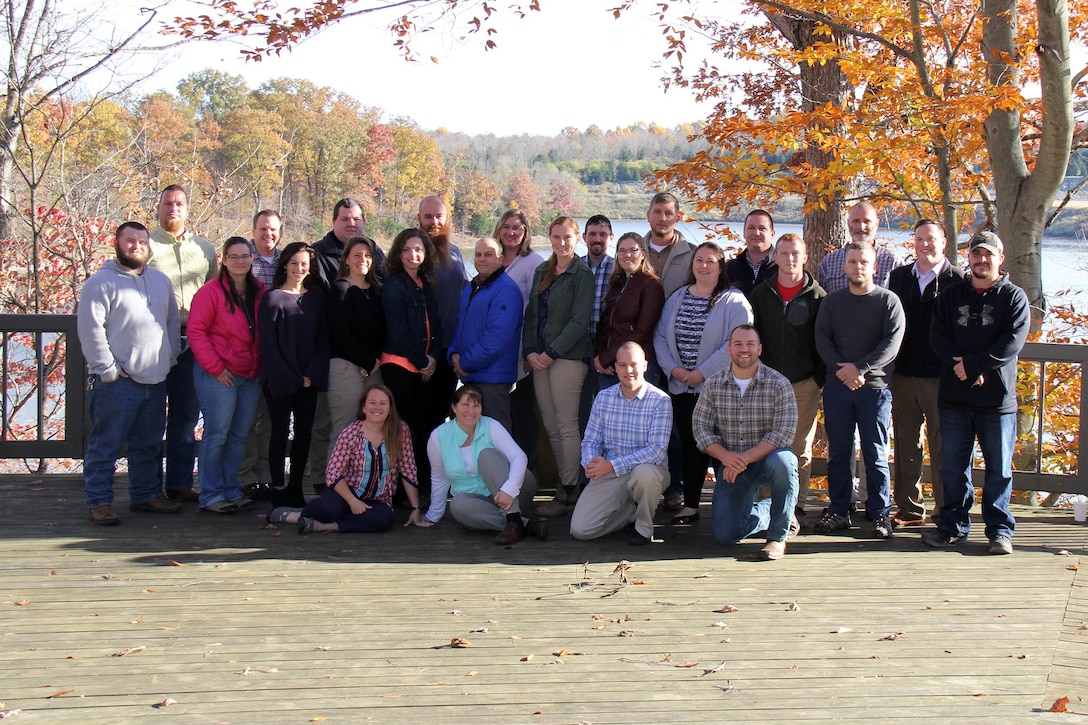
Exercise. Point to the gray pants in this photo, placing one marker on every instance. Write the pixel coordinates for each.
(479, 512)
(608, 504)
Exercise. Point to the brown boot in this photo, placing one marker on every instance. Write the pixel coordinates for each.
(103, 515)
(511, 534)
(773, 550)
(538, 528)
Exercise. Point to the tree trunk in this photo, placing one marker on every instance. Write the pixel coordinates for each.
(825, 226)
(1024, 198)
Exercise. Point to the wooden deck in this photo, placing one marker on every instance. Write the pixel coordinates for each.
(230, 621)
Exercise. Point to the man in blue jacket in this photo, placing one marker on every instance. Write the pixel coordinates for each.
(487, 339)
(979, 327)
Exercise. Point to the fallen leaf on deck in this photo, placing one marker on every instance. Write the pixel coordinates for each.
(1073, 567)
(455, 612)
(625, 633)
(481, 630)
(48, 524)
(686, 665)
(1059, 704)
(600, 626)
(53, 572)
(176, 563)
(58, 693)
(130, 650)
(9, 713)
(1000, 616)
(138, 620)
(318, 719)
(637, 581)
(701, 576)
(891, 637)
(598, 617)
(526, 658)
(712, 670)
(720, 625)
(22, 602)
(460, 642)
(323, 648)
(625, 618)
(1064, 552)
(471, 674)
(165, 703)
(149, 591)
(269, 671)
(666, 658)
(794, 607)
(727, 609)
(277, 533)
(730, 687)
(1019, 657)
(565, 653)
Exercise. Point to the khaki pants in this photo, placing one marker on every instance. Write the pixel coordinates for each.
(807, 393)
(608, 504)
(558, 391)
(914, 405)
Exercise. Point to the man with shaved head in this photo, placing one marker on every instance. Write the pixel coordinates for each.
(864, 223)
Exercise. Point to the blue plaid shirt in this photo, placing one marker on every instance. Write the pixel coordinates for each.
(262, 270)
(626, 432)
(601, 274)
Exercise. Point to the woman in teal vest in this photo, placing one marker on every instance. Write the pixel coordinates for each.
(476, 462)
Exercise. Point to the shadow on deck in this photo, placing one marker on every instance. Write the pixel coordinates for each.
(228, 620)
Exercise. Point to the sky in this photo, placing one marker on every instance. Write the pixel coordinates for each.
(572, 64)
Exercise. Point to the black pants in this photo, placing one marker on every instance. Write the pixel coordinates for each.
(300, 404)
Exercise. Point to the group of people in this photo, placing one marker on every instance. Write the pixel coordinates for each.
(396, 378)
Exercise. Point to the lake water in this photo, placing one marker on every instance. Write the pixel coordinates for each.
(1065, 260)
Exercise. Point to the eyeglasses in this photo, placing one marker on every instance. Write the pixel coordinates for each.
(636, 250)
(239, 257)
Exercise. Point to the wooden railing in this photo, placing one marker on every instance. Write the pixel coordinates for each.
(37, 420)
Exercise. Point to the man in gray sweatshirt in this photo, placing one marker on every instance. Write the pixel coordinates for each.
(858, 333)
(130, 333)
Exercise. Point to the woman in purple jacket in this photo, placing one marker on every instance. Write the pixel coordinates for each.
(222, 332)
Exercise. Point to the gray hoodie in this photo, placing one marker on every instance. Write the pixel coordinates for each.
(129, 322)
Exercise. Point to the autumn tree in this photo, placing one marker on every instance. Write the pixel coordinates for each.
(474, 200)
(561, 197)
(417, 169)
(522, 193)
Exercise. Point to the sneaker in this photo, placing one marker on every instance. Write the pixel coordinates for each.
(830, 522)
(555, 507)
(1001, 545)
(258, 491)
(243, 503)
(882, 526)
(104, 516)
(156, 505)
(940, 539)
(222, 506)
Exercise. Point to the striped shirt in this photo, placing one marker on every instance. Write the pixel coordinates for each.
(831, 276)
(766, 411)
(690, 322)
(628, 433)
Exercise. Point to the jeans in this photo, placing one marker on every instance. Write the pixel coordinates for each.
(735, 514)
(129, 413)
(181, 417)
(996, 433)
(228, 414)
(869, 411)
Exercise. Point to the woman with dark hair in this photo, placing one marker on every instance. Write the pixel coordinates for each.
(222, 332)
(476, 462)
(370, 457)
(555, 342)
(692, 343)
(294, 364)
(356, 332)
(632, 307)
(520, 262)
(411, 330)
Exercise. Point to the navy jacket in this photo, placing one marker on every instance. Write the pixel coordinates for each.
(987, 330)
(407, 308)
(488, 336)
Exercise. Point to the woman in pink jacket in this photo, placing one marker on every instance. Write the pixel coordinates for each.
(222, 331)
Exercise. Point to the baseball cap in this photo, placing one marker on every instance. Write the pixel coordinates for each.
(987, 240)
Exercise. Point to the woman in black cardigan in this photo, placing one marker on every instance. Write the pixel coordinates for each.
(294, 339)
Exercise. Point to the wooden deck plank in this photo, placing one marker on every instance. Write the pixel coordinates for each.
(354, 627)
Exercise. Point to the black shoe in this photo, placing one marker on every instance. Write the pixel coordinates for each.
(802, 517)
(685, 520)
(882, 527)
(637, 539)
(830, 522)
(258, 491)
(940, 539)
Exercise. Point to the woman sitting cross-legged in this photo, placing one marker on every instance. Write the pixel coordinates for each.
(370, 456)
(476, 461)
